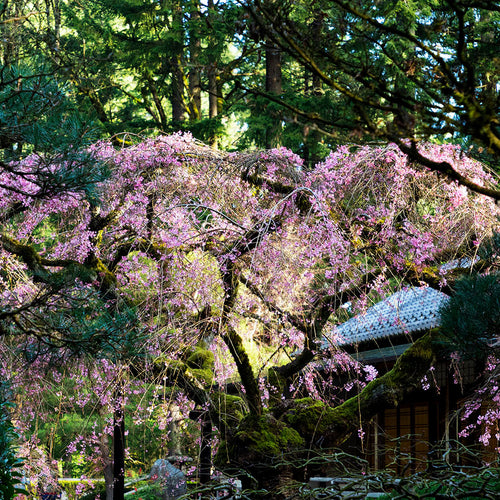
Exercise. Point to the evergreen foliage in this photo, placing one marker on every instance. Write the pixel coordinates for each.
(471, 317)
(348, 72)
(38, 113)
(10, 465)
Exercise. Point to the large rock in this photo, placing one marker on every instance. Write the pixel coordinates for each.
(171, 479)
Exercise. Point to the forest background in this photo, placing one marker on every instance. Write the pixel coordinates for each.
(309, 76)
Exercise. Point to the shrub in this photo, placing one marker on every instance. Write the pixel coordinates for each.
(10, 476)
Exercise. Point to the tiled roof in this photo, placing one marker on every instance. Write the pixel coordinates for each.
(410, 310)
(463, 263)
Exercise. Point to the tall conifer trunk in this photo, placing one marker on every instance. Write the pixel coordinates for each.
(403, 120)
(312, 88)
(214, 92)
(177, 76)
(273, 86)
(10, 46)
(194, 59)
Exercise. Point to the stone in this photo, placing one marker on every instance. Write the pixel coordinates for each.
(172, 480)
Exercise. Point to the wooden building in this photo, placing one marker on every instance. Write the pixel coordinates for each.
(426, 427)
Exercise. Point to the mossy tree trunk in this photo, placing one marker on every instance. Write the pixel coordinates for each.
(294, 427)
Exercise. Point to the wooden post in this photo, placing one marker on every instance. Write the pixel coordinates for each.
(118, 448)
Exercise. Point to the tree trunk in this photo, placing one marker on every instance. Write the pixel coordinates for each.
(96, 103)
(403, 120)
(157, 101)
(177, 74)
(310, 133)
(53, 14)
(273, 86)
(107, 466)
(258, 443)
(194, 58)
(252, 393)
(118, 448)
(57, 24)
(214, 91)
(10, 52)
(273, 69)
(213, 102)
(178, 110)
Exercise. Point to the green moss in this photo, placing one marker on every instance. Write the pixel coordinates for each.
(314, 418)
(227, 411)
(311, 417)
(196, 363)
(258, 439)
(266, 436)
(235, 345)
(275, 379)
(230, 405)
(414, 362)
(200, 358)
(203, 376)
(199, 362)
(108, 278)
(172, 364)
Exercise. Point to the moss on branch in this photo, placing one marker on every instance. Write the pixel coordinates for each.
(297, 425)
(192, 382)
(227, 411)
(29, 256)
(240, 356)
(37, 265)
(314, 419)
(259, 438)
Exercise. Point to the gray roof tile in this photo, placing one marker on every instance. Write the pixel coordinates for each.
(408, 311)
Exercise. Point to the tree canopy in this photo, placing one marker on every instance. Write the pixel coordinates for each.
(184, 249)
(145, 275)
(328, 72)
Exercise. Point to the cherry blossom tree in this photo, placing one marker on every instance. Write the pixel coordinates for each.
(176, 262)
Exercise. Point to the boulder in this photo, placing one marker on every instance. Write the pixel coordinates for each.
(172, 480)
